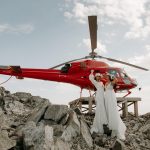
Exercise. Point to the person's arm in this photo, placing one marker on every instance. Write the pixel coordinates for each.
(114, 82)
(91, 78)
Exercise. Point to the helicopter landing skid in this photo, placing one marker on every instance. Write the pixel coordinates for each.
(129, 92)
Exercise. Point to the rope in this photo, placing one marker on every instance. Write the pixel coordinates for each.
(6, 80)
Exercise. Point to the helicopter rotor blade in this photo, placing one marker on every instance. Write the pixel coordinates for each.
(93, 31)
(122, 62)
(67, 62)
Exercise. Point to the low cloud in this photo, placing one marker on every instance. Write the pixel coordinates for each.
(17, 29)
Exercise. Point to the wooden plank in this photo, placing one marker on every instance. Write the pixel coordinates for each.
(129, 99)
(85, 100)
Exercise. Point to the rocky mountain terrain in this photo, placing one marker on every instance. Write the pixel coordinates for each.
(32, 123)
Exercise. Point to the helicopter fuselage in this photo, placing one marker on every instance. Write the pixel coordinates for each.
(76, 73)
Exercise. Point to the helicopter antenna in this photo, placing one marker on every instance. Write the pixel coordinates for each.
(93, 34)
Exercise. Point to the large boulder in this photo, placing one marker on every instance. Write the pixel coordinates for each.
(85, 132)
(60, 145)
(5, 142)
(41, 137)
(57, 128)
(34, 101)
(56, 112)
(37, 137)
(72, 128)
(118, 145)
(100, 140)
(23, 97)
(39, 111)
(4, 92)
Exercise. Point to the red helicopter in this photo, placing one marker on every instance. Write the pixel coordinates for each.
(77, 71)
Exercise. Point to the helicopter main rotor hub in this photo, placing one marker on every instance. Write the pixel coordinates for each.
(93, 54)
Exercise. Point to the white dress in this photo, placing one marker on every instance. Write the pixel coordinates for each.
(114, 121)
(100, 112)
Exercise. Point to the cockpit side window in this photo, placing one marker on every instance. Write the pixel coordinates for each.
(65, 68)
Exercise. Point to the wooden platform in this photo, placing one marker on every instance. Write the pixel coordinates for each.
(87, 104)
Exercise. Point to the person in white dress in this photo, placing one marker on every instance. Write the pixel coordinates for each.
(114, 121)
(100, 112)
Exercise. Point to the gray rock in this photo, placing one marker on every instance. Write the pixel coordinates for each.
(17, 108)
(12, 105)
(61, 145)
(5, 142)
(34, 101)
(146, 130)
(1, 117)
(3, 121)
(2, 102)
(100, 140)
(85, 132)
(56, 112)
(48, 122)
(118, 145)
(24, 97)
(136, 127)
(64, 119)
(39, 111)
(57, 128)
(4, 92)
(141, 119)
(38, 137)
(72, 129)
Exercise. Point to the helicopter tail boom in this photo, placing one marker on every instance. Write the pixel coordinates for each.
(21, 73)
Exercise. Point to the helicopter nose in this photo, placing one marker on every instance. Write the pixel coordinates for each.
(134, 82)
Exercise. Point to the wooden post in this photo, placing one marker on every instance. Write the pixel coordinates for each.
(89, 101)
(136, 108)
(80, 105)
(125, 109)
(90, 105)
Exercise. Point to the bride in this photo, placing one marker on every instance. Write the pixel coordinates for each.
(100, 112)
(106, 112)
(114, 121)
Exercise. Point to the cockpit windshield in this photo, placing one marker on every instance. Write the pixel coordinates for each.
(125, 77)
(113, 72)
(123, 74)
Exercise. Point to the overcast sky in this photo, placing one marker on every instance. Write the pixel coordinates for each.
(43, 33)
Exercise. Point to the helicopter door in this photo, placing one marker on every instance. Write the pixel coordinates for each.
(83, 65)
